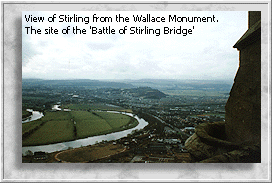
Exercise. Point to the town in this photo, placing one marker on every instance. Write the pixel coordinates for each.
(172, 118)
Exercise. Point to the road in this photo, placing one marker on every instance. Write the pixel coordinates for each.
(172, 127)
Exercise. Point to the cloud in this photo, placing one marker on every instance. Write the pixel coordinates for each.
(29, 50)
(206, 53)
(100, 46)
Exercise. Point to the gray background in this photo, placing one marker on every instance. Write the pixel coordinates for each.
(14, 170)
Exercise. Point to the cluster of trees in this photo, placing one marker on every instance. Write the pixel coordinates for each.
(75, 130)
(26, 114)
(154, 123)
(147, 92)
(38, 103)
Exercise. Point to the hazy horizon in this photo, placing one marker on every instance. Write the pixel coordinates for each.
(132, 79)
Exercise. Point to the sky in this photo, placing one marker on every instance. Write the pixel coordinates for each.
(206, 53)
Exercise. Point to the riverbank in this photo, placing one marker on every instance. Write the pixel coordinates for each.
(26, 114)
(140, 146)
(86, 141)
(94, 149)
(31, 115)
(60, 126)
(89, 153)
(79, 155)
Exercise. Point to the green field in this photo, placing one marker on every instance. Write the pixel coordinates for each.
(88, 124)
(51, 132)
(59, 126)
(97, 106)
(30, 125)
(115, 120)
(98, 123)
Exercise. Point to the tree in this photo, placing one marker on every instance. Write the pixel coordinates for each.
(29, 153)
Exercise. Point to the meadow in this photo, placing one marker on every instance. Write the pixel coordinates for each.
(96, 106)
(62, 126)
(30, 125)
(98, 123)
(53, 127)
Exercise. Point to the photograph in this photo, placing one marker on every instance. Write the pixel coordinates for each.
(135, 91)
(141, 86)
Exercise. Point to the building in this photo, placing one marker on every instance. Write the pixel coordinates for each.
(238, 139)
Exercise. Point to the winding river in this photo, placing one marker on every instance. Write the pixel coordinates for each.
(35, 115)
(87, 141)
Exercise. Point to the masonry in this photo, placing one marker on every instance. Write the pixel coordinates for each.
(243, 109)
(238, 139)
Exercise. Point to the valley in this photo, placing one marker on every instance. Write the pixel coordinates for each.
(172, 109)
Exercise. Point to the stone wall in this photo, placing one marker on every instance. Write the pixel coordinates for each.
(238, 139)
(243, 108)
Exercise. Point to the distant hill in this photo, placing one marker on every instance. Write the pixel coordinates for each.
(172, 84)
(87, 83)
(145, 86)
(146, 93)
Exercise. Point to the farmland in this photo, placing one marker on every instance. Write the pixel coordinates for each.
(172, 108)
(52, 128)
(96, 106)
(30, 125)
(62, 126)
